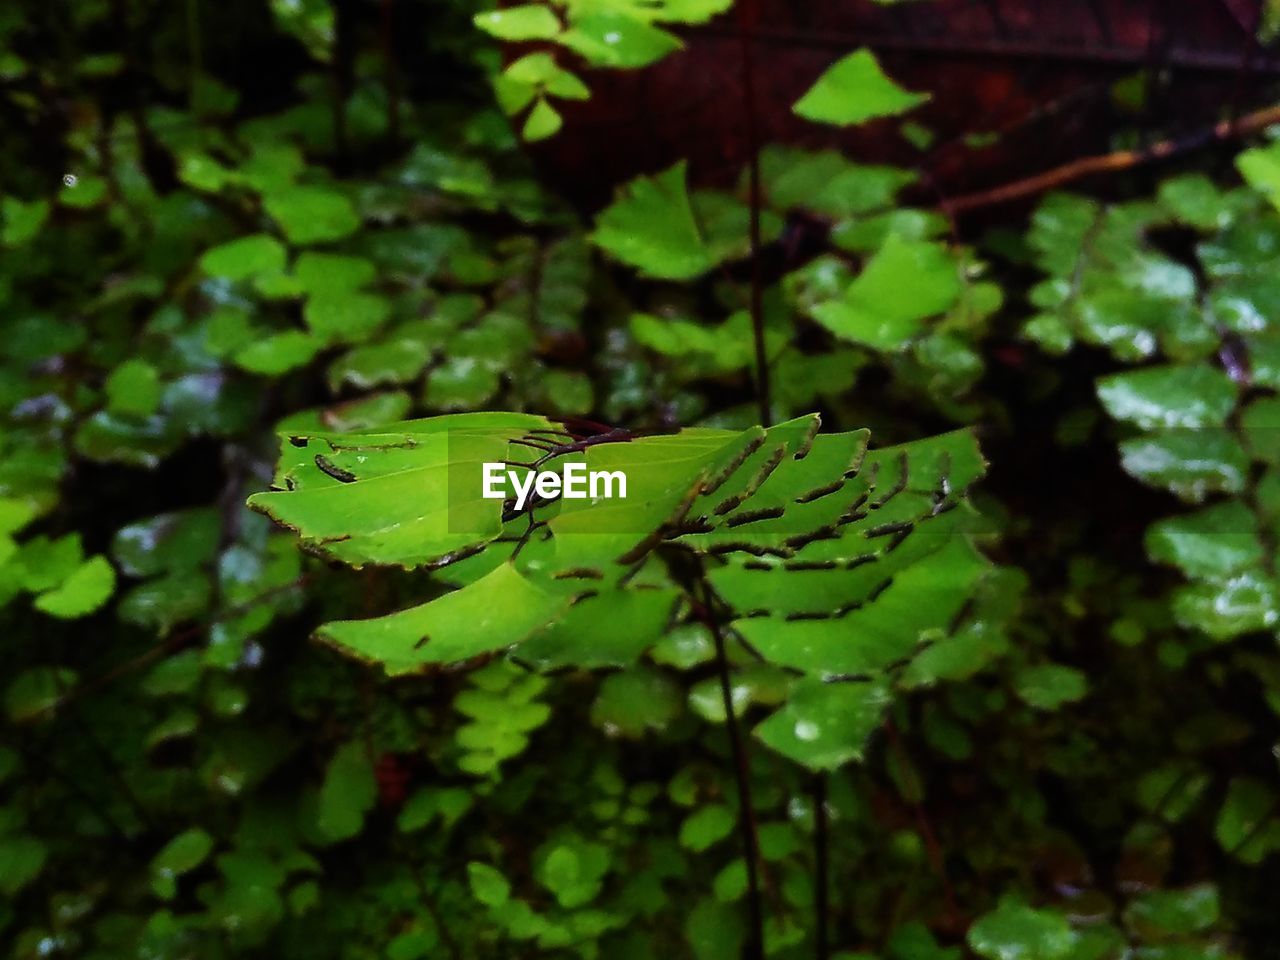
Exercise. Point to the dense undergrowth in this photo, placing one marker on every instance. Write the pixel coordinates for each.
(1020, 709)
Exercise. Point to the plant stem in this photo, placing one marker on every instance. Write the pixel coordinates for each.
(392, 73)
(821, 893)
(746, 23)
(742, 774)
(343, 80)
(193, 50)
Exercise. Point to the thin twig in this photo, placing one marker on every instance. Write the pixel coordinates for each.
(113, 771)
(162, 649)
(1113, 162)
(746, 23)
(754, 949)
(391, 73)
(95, 806)
(932, 847)
(194, 51)
(428, 901)
(822, 880)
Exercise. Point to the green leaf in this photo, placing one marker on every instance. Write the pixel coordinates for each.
(15, 514)
(544, 121)
(84, 193)
(278, 353)
(1015, 931)
(855, 90)
(1247, 827)
(715, 931)
(36, 690)
(348, 792)
(45, 563)
(380, 364)
(621, 625)
(1172, 791)
(918, 603)
(180, 540)
(904, 284)
(1240, 604)
(534, 74)
(636, 701)
(180, 855)
(310, 215)
(133, 389)
(691, 11)
(829, 184)
(825, 725)
(497, 611)
(1173, 913)
(488, 885)
(1195, 199)
(1260, 425)
(1168, 397)
(574, 870)
(20, 222)
(244, 257)
(448, 804)
(417, 495)
(651, 227)
(1260, 168)
(527, 21)
(1050, 685)
(345, 316)
(321, 273)
(87, 589)
(167, 600)
(1216, 541)
(1190, 463)
(22, 857)
(612, 38)
(707, 826)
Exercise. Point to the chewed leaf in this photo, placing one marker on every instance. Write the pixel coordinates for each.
(806, 539)
(919, 604)
(417, 516)
(494, 612)
(663, 476)
(408, 494)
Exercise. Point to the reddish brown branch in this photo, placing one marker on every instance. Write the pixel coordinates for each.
(1112, 162)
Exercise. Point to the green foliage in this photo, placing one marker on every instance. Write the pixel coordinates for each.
(617, 34)
(652, 228)
(1041, 704)
(854, 90)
